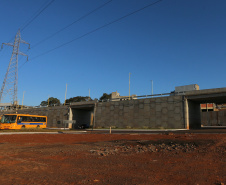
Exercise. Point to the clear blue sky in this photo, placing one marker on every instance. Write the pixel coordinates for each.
(173, 43)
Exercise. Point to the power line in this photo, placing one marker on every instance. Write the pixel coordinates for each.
(97, 29)
(84, 16)
(7, 42)
(26, 25)
(36, 14)
(43, 5)
(41, 9)
(79, 19)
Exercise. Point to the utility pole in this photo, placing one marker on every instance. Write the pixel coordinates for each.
(129, 85)
(89, 93)
(65, 95)
(9, 86)
(22, 101)
(151, 87)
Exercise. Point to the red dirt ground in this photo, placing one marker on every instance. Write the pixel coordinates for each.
(113, 159)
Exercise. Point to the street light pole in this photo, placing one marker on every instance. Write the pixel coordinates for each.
(65, 95)
(151, 87)
(129, 85)
(89, 93)
(22, 101)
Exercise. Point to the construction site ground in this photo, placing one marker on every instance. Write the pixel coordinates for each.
(97, 158)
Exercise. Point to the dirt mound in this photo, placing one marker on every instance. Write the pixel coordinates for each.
(131, 147)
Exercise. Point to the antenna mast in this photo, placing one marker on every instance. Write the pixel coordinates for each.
(9, 86)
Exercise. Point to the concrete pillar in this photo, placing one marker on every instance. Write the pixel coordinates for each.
(186, 115)
(70, 114)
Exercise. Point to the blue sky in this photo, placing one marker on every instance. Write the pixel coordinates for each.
(173, 43)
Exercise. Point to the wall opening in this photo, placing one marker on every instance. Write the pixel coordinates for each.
(84, 117)
(206, 110)
(194, 113)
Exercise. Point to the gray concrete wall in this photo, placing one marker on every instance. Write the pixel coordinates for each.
(55, 115)
(213, 118)
(163, 112)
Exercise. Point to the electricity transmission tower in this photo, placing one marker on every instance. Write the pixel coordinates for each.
(9, 86)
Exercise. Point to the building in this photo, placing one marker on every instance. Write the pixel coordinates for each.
(115, 96)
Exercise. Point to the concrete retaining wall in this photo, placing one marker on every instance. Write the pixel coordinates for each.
(214, 118)
(163, 112)
(55, 115)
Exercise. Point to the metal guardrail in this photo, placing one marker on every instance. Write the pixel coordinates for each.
(140, 97)
(146, 96)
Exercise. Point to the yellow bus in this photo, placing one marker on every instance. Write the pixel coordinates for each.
(18, 121)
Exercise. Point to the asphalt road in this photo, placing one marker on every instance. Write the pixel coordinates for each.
(207, 130)
(165, 131)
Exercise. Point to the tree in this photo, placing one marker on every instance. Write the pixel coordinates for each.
(105, 97)
(78, 99)
(52, 102)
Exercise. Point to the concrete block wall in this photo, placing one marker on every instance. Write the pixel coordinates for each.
(55, 115)
(162, 112)
(213, 118)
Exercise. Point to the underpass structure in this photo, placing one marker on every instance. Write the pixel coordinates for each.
(167, 111)
(192, 101)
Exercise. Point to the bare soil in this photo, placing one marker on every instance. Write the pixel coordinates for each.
(113, 159)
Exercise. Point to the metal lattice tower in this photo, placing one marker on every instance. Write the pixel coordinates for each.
(9, 86)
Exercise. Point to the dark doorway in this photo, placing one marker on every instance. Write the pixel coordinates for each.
(83, 116)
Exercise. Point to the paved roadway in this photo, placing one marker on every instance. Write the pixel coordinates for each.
(214, 130)
(209, 130)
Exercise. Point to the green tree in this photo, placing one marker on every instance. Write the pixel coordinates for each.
(78, 99)
(52, 102)
(105, 97)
